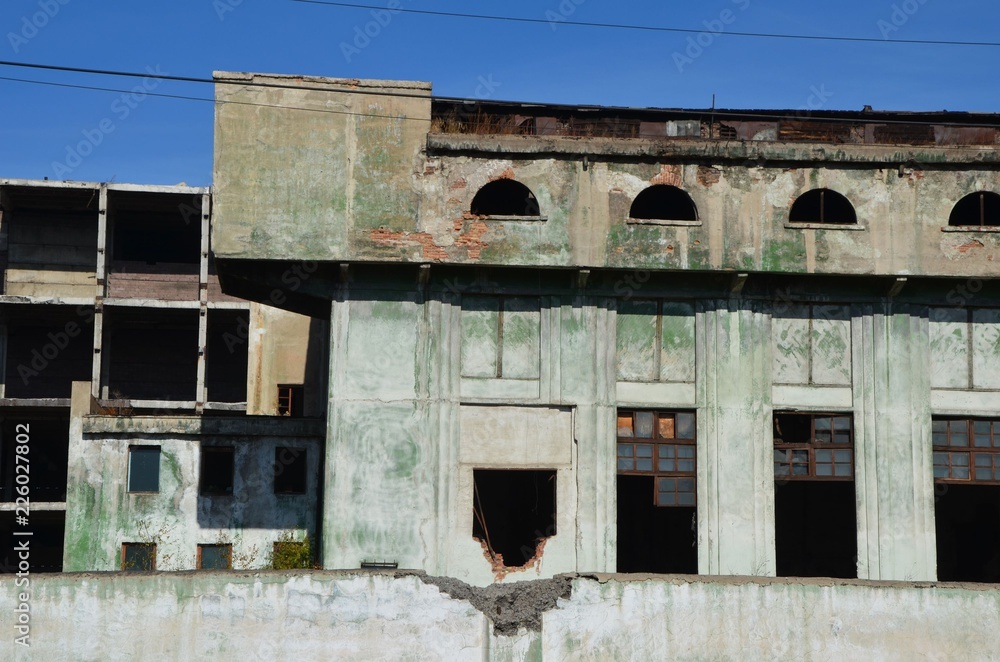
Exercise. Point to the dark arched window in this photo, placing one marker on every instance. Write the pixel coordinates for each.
(505, 197)
(662, 202)
(822, 205)
(978, 209)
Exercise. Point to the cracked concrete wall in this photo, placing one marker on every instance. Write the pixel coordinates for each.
(405, 616)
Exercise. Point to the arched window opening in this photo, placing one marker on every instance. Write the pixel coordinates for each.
(662, 202)
(505, 197)
(976, 209)
(822, 206)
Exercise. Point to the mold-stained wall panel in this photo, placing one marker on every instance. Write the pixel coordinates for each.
(986, 348)
(480, 322)
(521, 334)
(791, 340)
(677, 349)
(636, 344)
(831, 345)
(949, 338)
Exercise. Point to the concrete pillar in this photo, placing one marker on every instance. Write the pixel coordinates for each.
(735, 464)
(892, 416)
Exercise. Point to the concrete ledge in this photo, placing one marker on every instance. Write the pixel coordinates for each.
(257, 426)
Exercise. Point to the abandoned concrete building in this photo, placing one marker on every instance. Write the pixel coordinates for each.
(543, 341)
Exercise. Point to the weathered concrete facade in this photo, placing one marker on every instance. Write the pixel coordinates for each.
(365, 616)
(465, 340)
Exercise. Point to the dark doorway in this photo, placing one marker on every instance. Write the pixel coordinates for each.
(815, 529)
(652, 538)
(968, 533)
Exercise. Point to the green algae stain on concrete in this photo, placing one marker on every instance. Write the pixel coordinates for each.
(383, 190)
(787, 255)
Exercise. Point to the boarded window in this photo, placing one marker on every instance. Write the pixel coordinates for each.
(663, 202)
(215, 557)
(500, 337)
(138, 557)
(505, 197)
(822, 206)
(513, 511)
(216, 470)
(976, 209)
(144, 469)
(656, 464)
(655, 341)
(290, 475)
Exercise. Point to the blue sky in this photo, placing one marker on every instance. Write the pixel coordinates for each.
(168, 141)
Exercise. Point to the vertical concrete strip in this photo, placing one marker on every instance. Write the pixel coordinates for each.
(736, 480)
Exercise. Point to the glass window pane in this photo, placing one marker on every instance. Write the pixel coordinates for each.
(938, 425)
(781, 456)
(685, 451)
(626, 464)
(983, 460)
(822, 423)
(959, 472)
(842, 423)
(842, 438)
(685, 485)
(685, 465)
(940, 471)
(959, 439)
(842, 456)
(982, 441)
(139, 557)
(666, 426)
(800, 470)
(644, 465)
(667, 484)
(800, 457)
(941, 458)
(981, 427)
(667, 465)
(215, 557)
(824, 456)
(685, 499)
(667, 450)
(959, 427)
(144, 469)
(940, 439)
(842, 469)
(996, 473)
(984, 474)
(824, 470)
(644, 450)
(625, 425)
(996, 427)
(644, 424)
(667, 499)
(624, 450)
(959, 459)
(781, 470)
(823, 437)
(685, 426)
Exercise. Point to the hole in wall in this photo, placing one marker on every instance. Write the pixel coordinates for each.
(513, 512)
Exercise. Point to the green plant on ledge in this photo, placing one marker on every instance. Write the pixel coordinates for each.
(291, 554)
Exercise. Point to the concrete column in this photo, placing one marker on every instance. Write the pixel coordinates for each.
(735, 463)
(892, 415)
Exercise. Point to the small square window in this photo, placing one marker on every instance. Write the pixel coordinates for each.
(216, 470)
(215, 557)
(138, 557)
(291, 399)
(289, 470)
(144, 469)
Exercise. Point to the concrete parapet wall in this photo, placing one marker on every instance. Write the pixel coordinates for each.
(407, 616)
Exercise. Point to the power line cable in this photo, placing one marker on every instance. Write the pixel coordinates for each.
(650, 28)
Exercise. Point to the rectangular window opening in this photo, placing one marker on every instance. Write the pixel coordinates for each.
(138, 557)
(513, 511)
(815, 512)
(966, 454)
(290, 470)
(215, 557)
(217, 470)
(291, 398)
(144, 469)
(657, 496)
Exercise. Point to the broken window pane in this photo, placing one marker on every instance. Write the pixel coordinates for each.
(625, 425)
(290, 470)
(144, 469)
(644, 424)
(217, 470)
(666, 426)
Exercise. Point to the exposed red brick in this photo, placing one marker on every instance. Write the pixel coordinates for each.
(472, 239)
(969, 245)
(708, 176)
(458, 183)
(506, 174)
(669, 174)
